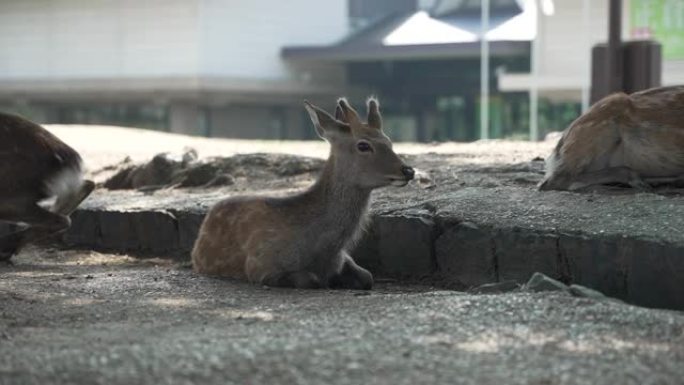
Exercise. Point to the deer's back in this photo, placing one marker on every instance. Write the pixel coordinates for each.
(654, 143)
(659, 109)
(254, 237)
(643, 131)
(29, 155)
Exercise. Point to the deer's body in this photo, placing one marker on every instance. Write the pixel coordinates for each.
(302, 240)
(635, 139)
(255, 238)
(36, 165)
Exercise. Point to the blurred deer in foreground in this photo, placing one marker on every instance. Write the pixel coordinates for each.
(302, 240)
(636, 140)
(35, 166)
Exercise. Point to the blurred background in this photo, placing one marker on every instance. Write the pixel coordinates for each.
(240, 69)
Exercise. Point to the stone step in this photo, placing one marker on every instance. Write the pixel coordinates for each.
(459, 242)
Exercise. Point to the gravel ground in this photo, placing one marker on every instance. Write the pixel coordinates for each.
(80, 317)
(88, 318)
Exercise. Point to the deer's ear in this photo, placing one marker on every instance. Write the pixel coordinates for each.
(326, 126)
(374, 118)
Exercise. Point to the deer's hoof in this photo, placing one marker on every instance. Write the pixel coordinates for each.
(352, 278)
(9, 247)
(6, 256)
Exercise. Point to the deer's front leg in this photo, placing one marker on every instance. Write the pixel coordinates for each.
(43, 223)
(351, 276)
(10, 243)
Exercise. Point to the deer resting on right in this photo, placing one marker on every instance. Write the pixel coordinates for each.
(635, 140)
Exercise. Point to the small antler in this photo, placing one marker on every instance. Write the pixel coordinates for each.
(339, 114)
(352, 117)
(374, 117)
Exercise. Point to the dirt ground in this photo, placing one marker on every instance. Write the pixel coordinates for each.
(87, 318)
(102, 146)
(81, 317)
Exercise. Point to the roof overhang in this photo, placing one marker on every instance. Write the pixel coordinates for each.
(419, 36)
(404, 52)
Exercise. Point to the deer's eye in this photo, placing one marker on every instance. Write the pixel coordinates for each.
(364, 147)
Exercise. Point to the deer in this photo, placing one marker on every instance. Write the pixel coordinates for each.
(635, 140)
(303, 240)
(36, 167)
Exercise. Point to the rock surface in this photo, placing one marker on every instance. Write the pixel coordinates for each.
(585, 292)
(540, 282)
(87, 318)
(496, 288)
(470, 225)
(167, 171)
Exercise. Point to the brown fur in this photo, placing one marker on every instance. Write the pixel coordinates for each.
(29, 154)
(31, 160)
(234, 230)
(301, 240)
(630, 139)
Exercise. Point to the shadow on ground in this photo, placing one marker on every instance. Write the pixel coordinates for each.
(83, 318)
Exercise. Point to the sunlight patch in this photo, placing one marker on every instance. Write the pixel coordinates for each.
(173, 302)
(249, 315)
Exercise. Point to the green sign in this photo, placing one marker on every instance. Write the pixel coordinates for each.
(661, 20)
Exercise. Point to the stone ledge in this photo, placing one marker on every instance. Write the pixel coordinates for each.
(419, 240)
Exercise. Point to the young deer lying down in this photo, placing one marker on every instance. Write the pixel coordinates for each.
(302, 241)
(636, 139)
(35, 166)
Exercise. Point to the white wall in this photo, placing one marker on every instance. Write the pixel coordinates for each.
(673, 72)
(243, 38)
(158, 38)
(97, 38)
(564, 37)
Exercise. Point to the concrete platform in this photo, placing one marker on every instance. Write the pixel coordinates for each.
(463, 225)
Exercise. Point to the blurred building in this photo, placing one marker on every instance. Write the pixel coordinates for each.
(237, 68)
(207, 67)
(424, 60)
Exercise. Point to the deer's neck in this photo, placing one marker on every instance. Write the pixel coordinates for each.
(339, 202)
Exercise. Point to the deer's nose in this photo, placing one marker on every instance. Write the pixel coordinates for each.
(408, 172)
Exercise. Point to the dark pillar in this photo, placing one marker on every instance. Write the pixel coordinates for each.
(614, 63)
(620, 67)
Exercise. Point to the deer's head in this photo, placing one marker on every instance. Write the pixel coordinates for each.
(362, 152)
